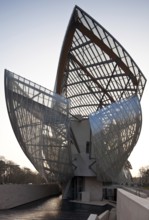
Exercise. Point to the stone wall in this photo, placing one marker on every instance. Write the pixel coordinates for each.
(132, 207)
(12, 195)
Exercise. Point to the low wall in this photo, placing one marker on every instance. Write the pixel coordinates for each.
(136, 192)
(106, 215)
(132, 207)
(13, 195)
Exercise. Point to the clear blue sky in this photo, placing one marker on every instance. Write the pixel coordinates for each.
(31, 36)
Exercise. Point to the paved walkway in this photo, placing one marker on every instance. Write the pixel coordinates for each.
(52, 209)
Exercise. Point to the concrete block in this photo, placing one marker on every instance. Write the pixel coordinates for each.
(112, 214)
(92, 217)
(85, 196)
(104, 215)
(132, 207)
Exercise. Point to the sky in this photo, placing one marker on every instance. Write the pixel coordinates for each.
(31, 37)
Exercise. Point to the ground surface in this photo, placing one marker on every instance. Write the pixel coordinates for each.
(52, 209)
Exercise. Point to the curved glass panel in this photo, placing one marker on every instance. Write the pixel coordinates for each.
(40, 122)
(115, 131)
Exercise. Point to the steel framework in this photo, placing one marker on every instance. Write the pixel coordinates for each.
(40, 121)
(97, 80)
(94, 69)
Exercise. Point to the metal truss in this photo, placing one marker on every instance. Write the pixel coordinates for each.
(103, 84)
(40, 122)
(94, 69)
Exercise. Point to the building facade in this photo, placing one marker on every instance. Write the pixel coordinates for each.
(81, 135)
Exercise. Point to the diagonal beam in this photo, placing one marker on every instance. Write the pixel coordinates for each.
(89, 88)
(107, 50)
(64, 53)
(38, 110)
(91, 77)
(75, 141)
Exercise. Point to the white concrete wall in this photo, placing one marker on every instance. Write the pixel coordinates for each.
(81, 131)
(13, 195)
(94, 188)
(82, 163)
(132, 207)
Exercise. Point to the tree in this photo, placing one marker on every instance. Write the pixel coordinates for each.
(2, 171)
(144, 175)
(12, 173)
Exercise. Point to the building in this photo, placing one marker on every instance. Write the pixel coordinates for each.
(81, 135)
